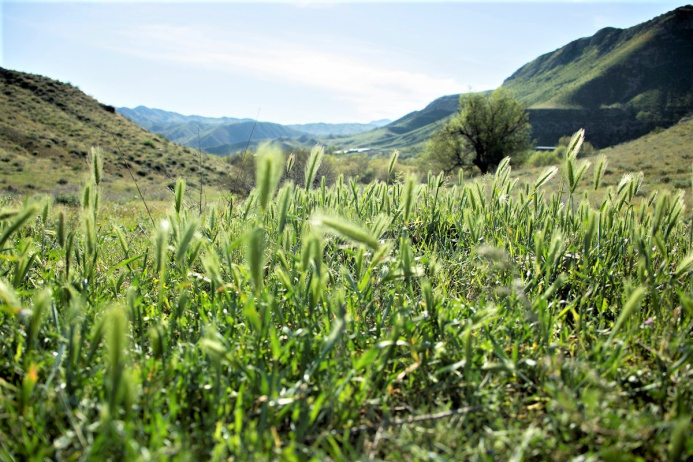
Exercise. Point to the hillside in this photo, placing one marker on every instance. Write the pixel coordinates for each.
(645, 68)
(619, 84)
(411, 130)
(665, 157)
(47, 129)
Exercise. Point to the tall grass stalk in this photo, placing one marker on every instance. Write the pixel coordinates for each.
(269, 166)
(314, 161)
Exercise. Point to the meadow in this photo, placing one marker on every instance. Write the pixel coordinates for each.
(483, 319)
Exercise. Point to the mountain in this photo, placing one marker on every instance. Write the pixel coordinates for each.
(224, 135)
(47, 129)
(218, 135)
(229, 134)
(411, 130)
(325, 129)
(618, 84)
(153, 119)
(644, 67)
(380, 122)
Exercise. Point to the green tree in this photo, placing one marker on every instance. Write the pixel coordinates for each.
(486, 129)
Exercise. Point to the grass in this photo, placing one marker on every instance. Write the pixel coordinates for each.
(482, 320)
(47, 129)
(663, 157)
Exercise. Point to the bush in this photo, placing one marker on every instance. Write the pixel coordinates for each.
(70, 200)
(542, 158)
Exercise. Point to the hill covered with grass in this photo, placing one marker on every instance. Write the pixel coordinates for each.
(665, 158)
(646, 68)
(47, 129)
(409, 131)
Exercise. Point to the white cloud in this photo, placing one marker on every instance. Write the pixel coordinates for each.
(375, 89)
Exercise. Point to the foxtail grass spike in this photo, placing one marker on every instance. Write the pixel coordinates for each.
(575, 144)
(179, 194)
(391, 165)
(408, 197)
(255, 256)
(314, 161)
(347, 230)
(97, 165)
(268, 173)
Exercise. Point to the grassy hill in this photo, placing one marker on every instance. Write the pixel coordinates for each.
(646, 68)
(47, 129)
(409, 131)
(665, 158)
(619, 84)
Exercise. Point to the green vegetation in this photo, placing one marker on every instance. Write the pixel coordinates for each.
(487, 129)
(482, 320)
(663, 155)
(663, 158)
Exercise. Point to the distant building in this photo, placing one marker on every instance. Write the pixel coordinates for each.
(351, 151)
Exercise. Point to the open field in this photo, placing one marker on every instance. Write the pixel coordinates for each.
(485, 320)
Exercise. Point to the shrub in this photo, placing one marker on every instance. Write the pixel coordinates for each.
(70, 200)
(542, 158)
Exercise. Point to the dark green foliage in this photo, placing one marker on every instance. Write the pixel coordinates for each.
(487, 129)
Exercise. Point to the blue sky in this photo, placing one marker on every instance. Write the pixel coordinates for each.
(296, 62)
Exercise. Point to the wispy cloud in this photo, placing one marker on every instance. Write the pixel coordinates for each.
(373, 88)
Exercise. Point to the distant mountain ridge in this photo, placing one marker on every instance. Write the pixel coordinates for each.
(157, 118)
(326, 129)
(224, 135)
(619, 84)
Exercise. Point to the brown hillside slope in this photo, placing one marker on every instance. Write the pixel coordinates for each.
(47, 129)
(665, 158)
